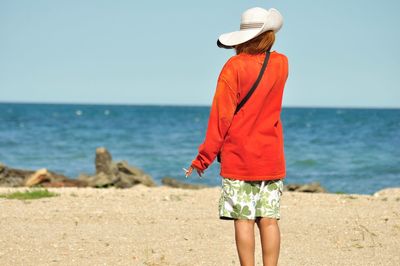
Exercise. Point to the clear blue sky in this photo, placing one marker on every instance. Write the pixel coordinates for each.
(341, 53)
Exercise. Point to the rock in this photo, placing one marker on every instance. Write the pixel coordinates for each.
(124, 167)
(132, 175)
(313, 187)
(38, 177)
(50, 179)
(124, 181)
(104, 180)
(103, 161)
(100, 180)
(172, 182)
(127, 181)
(2, 167)
(10, 177)
(118, 174)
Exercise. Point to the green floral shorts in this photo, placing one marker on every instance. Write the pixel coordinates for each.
(250, 199)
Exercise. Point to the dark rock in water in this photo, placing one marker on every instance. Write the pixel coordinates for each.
(119, 174)
(103, 161)
(314, 187)
(100, 180)
(124, 167)
(129, 175)
(108, 173)
(172, 182)
(10, 177)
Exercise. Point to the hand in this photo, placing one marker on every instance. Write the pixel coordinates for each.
(189, 171)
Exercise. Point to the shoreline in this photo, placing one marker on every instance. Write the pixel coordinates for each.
(200, 186)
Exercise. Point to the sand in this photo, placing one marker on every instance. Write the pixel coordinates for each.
(167, 226)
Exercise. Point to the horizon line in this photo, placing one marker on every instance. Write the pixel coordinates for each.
(189, 105)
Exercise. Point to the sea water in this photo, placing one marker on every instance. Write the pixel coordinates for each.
(346, 150)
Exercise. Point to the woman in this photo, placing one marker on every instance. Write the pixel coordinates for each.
(250, 141)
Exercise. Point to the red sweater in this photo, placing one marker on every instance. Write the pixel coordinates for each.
(251, 142)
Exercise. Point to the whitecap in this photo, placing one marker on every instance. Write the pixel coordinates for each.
(78, 112)
(339, 112)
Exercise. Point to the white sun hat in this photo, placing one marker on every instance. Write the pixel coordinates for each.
(254, 22)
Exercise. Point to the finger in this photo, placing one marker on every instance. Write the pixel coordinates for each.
(189, 172)
(185, 170)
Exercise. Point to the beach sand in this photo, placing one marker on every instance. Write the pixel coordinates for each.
(167, 226)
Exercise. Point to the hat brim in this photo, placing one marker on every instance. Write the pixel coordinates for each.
(273, 21)
(221, 45)
(231, 39)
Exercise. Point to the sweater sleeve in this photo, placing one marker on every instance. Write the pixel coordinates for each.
(221, 114)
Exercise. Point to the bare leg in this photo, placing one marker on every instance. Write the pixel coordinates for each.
(270, 240)
(245, 241)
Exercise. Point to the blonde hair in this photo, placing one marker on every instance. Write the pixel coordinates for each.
(258, 45)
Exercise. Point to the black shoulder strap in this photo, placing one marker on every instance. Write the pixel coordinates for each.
(253, 88)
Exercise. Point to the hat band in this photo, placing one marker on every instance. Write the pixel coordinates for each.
(245, 26)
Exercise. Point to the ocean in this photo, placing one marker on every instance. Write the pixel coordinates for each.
(346, 150)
